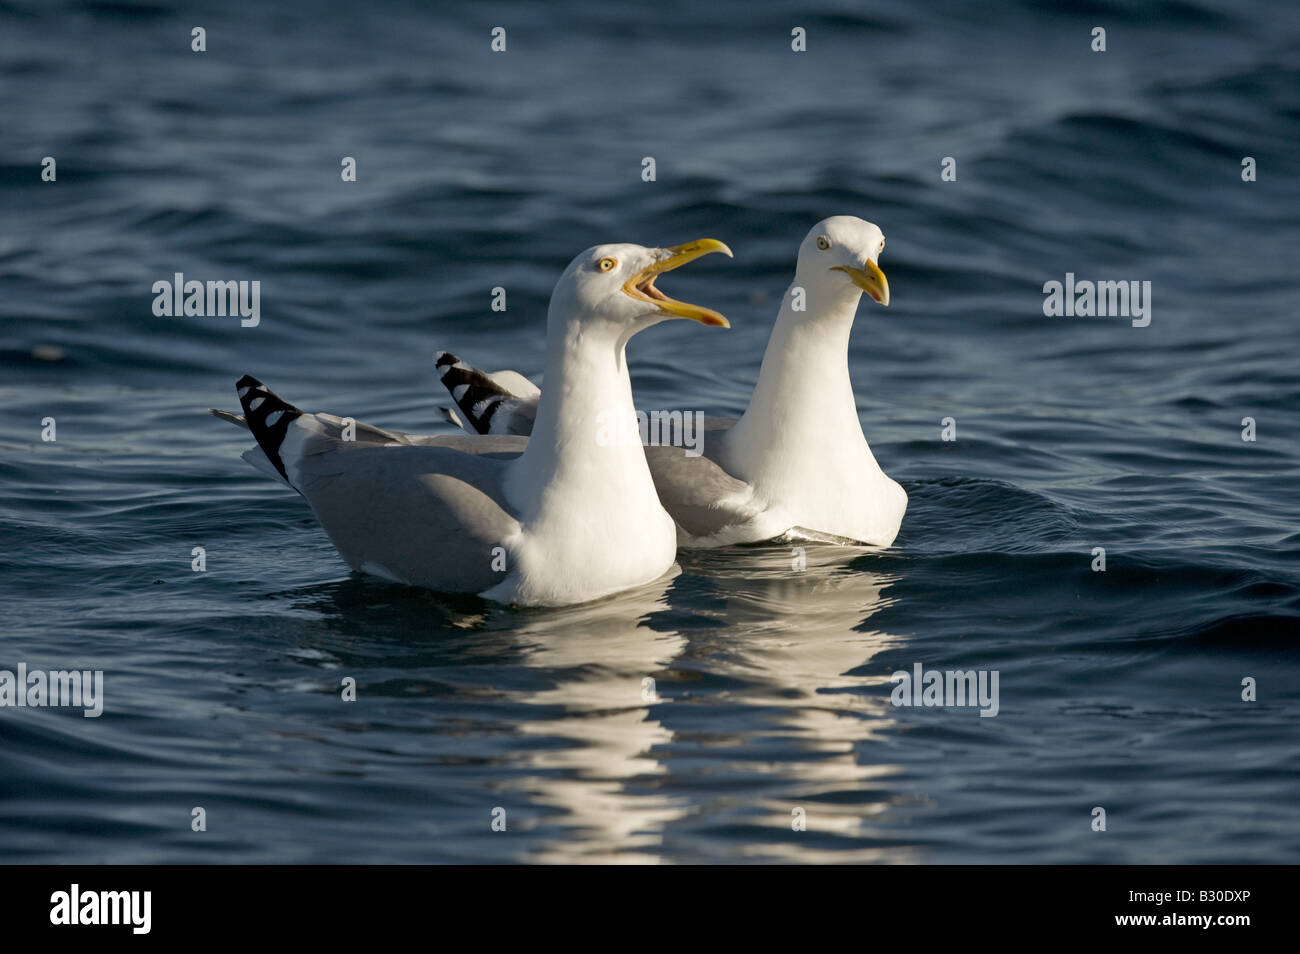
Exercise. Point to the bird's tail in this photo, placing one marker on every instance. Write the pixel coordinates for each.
(267, 415)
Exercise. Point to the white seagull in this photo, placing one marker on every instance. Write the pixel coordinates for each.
(571, 518)
(797, 464)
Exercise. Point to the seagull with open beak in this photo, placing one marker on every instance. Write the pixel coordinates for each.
(568, 519)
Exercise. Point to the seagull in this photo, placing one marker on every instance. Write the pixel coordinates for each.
(796, 465)
(565, 516)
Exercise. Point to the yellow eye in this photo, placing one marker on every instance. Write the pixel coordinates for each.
(607, 263)
(882, 247)
(823, 242)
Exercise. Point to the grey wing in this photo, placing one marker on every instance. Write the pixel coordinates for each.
(427, 515)
(430, 514)
(507, 446)
(511, 446)
(703, 498)
(696, 490)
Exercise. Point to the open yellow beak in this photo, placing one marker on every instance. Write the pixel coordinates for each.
(641, 286)
(869, 278)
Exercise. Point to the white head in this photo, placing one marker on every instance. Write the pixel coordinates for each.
(840, 254)
(613, 286)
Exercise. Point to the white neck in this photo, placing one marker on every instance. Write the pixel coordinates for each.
(590, 519)
(576, 469)
(803, 402)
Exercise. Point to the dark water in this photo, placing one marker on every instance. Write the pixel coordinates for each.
(1119, 689)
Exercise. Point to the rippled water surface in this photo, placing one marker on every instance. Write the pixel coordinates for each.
(771, 687)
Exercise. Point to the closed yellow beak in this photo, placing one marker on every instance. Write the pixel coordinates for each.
(869, 278)
(641, 286)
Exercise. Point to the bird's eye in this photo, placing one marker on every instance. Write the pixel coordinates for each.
(607, 263)
(882, 247)
(823, 242)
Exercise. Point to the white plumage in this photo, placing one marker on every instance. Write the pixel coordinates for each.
(797, 462)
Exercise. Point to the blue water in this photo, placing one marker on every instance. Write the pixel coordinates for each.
(1119, 689)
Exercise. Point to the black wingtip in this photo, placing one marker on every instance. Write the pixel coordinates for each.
(260, 403)
(477, 395)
